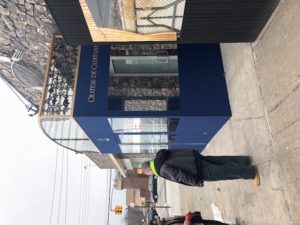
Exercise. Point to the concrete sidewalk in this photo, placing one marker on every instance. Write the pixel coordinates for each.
(265, 100)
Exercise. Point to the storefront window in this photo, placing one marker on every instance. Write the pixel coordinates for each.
(140, 125)
(144, 138)
(142, 148)
(143, 78)
(144, 65)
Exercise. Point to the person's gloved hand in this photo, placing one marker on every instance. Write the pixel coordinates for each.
(188, 216)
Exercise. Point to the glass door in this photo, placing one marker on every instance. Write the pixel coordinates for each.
(144, 135)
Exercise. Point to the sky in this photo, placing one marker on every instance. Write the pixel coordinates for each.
(27, 173)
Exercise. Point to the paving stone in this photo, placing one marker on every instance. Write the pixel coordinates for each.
(264, 96)
(290, 169)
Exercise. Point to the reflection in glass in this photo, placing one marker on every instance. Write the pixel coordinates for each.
(144, 138)
(143, 93)
(145, 65)
(142, 148)
(138, 125)
(67, 132)
(172, 124)
(143, 78)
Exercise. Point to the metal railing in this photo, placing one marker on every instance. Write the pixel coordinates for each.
(152, 16)
(59, 90)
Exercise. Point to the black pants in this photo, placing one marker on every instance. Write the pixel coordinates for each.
(227, 168)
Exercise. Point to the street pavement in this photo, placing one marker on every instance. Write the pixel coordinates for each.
(162, 198)
(263, 86)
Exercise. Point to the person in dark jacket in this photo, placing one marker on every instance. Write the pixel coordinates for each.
(190, 168)
(193, 218)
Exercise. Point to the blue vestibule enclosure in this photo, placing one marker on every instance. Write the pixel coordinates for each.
(141, 99)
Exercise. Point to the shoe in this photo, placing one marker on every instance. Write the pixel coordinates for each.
(256, 179)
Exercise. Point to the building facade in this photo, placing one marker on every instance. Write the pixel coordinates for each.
(26, 30)
(130, 100)
(185, 21)
(136, 186)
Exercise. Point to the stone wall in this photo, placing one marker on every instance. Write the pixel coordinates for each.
(142, 86)
(144, 93)
(138, 182)
(28, 26)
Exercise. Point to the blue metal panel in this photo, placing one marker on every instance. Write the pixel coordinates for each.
(99, 131)
(199, 129)
(91, 96)
(204, 105)
(203, 90)
(92, 83)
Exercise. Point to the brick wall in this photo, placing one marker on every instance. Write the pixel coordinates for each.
(139, 181)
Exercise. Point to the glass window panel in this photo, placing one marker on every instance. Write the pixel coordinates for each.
(138, 125)
(66, 132)
(146, 138)
(144, 78)
(172, 138)
(142, 148)
(137, 162)
(144, 64)
(173, 124)
(142, 93)
(150, 49)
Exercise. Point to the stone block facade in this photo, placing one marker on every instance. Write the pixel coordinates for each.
(144, 93)
(101, 160)
(26, 25)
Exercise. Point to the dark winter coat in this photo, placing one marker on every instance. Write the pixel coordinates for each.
(181, 166)
(195, 221)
